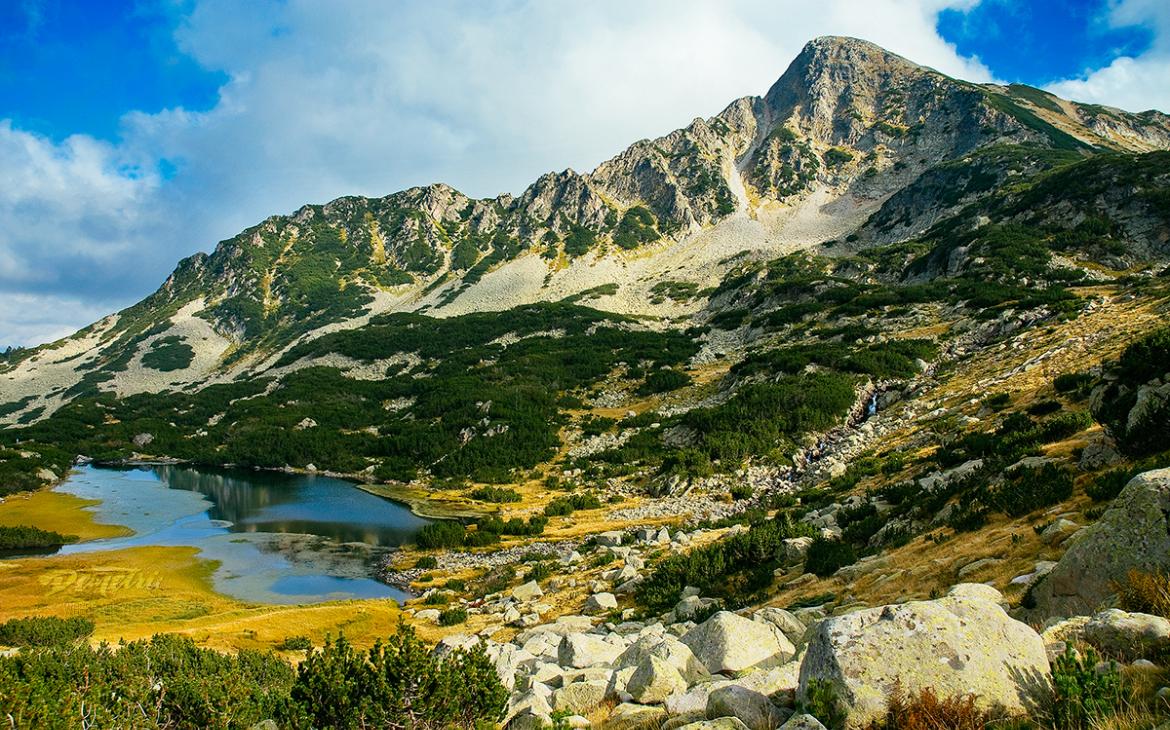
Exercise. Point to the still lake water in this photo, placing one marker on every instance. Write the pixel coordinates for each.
(278, 538)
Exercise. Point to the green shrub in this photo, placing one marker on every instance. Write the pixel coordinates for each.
(495, 494)
(825, 556)
(453, 616)
(1146, 358)
(637, 226)
(39, 631)
(295, 643)
(837, 156)
(168, 354)
(399, 683)
(968, 516)
(1072, 382)
(998, 401)
(1082, 694)
(1028, 490)
(731, 569)
(534, 525)
(23, 537)
(440, 534)
(564, 506)
(438, 598)
(540, 571)
(821, 701)
(427, 562)
(1044, 408)
(165, 682)
(662, 381)
(740, 492)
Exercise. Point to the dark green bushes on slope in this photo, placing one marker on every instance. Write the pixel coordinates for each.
(731, 569)
(1140, 424)
(167, 354)
(464, 376)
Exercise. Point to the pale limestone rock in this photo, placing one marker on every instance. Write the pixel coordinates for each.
(600, 603)
(754, 709)
(1133, 534)
(579, 697)
(669, 649)
(731, 644)
(586, 650)
(527, 592)
(1119, 633)
(802, 722)
(654, 680)
(960, 644)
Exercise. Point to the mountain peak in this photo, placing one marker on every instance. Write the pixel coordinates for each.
(829, 64)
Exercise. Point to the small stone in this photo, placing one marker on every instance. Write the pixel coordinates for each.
(802, 722)
(527, 592)
(600, 603)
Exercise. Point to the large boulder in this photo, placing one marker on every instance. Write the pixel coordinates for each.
(600, 603)
(728, 643)
(783, 620)
(722, 723)
(527, 592)
(1133, 534)
(579, 697)
(654, 680)
(963, 643)
(1123, 634)
(586, 650)
(753, 708)
(627, 716)
(670, 650)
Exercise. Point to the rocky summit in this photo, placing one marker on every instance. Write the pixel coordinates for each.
(848, 407)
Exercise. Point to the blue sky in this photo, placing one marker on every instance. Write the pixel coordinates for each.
(135, 132)
(69, 66)
(1041, 41)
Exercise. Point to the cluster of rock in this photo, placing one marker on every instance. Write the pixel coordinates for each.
(522, 607)
(700, 667)
(753, 671)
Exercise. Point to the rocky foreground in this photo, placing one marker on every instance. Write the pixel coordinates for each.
(762, 668)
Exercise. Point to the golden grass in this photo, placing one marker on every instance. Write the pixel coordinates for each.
(58, 512)
(138, 592)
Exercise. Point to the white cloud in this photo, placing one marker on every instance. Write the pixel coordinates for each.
(368, 97)
(34, 318)
(75, 217)
(1134, 84)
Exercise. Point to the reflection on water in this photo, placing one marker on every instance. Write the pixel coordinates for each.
(278, 538)
(310, 505)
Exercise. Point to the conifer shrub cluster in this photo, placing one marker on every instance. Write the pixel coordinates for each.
(732, 569)
(169, 682)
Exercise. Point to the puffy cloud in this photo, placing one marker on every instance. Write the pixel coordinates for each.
(368, 97)
(72, 214)
(1132, 83)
